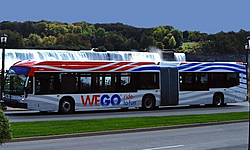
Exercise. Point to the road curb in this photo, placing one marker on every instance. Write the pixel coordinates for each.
(123, 131)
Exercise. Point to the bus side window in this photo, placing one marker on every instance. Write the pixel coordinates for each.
(46, 83)
(149, 80)
(69, 82)
(191, 81)
(127, 82)
(86, 83)
(232, 79)
(186, 82)
(107, 82)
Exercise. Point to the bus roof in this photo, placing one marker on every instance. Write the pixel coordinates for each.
(128, 66)
(87, 66)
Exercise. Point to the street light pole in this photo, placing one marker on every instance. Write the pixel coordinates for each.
(3, 42)
(247, 47)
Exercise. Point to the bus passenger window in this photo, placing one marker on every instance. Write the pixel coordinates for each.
(46, 83)
(127, 83)
(232, 79)
(149, 80)
(69, 83)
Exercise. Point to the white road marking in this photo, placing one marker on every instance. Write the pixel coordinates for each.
(166, 147)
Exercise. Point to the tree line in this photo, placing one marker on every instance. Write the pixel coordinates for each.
(115, 36)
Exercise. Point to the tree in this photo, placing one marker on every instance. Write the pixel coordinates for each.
(60, 39)
(34, 40)
(194, 36)
(72, 39)
(159, 33)
(108, 45)
(49, 41)
(88, 32)
(177, 36)
(166, 40)
(74, 29)
(117, 40)
(41, 29)
(27, 28)
(185, 35)
(99, 38)
(146, 42)
(160, 45)
(172, 42)
(132, 44)
(5, 130)
(55, 30)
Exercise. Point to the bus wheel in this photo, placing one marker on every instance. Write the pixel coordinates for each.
(218, 100)
(148, 102)
(66, 106)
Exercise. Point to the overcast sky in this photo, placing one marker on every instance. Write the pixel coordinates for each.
(210, 16)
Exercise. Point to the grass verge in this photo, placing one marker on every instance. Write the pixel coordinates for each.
(45, 128)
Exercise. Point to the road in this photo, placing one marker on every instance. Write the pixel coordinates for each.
(27, 116)
(219, 137)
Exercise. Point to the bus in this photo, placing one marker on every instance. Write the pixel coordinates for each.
(68, 86)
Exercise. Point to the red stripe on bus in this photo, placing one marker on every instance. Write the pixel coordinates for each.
(116, 65)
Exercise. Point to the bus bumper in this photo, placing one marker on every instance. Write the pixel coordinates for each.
(15, 104)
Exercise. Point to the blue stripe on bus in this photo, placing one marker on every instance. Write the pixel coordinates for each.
(225, 64)
(243, 83)
(147, 68)
(241, 87)
(208, 64)
(187, 65)
(223, 68)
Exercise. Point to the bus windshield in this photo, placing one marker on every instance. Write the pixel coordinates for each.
(15, 80)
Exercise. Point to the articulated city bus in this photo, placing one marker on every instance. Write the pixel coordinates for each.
(68, 86)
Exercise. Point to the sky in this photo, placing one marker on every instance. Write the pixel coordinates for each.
(209, 16)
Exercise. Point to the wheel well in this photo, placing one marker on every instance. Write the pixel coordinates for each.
(221, 94)
(149, 95)
(68, 98)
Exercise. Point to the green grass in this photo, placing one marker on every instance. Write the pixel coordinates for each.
(190, 47)
(44, 128)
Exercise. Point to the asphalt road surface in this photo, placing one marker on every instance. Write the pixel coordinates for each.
(17, 115)
(216, 137)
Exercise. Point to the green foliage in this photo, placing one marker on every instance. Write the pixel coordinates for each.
(34, 40)
(117, 36)
(132, 44)
(160, 45)
(146, 42)
(5, 130)
(172, 42)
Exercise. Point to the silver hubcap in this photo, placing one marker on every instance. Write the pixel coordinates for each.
(66, 106)
(148, 103)
(218, 100)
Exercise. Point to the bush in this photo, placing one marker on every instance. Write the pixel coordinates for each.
(5, 130)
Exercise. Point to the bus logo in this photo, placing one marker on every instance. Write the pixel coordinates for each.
(104, 100)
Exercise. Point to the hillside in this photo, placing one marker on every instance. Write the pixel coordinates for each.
(117, 36)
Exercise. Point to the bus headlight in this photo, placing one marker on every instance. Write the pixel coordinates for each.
(23, 98)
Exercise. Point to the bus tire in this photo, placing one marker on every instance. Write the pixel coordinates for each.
(148, 102)
(66, 106)
(218, 99)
